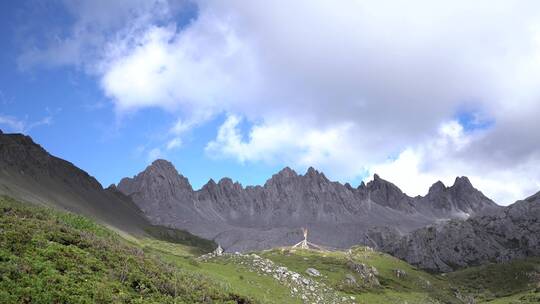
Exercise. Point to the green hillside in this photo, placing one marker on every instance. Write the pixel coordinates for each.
(54, 257)
(412, 285)
(47, 256)
(513, 282)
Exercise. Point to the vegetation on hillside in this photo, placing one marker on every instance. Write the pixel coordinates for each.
(513, 282)
(53, 257)
(412, 286)
(48, 256)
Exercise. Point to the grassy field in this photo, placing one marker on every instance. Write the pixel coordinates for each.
(513, 282)
(48, 256)
(414, 287)
(53, 257)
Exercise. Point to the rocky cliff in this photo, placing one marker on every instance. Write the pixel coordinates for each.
(503, 235)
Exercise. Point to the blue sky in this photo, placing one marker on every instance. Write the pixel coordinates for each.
(245, 88)
(84, 127)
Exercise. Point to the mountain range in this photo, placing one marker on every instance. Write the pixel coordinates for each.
(259, 217)
(448, 228)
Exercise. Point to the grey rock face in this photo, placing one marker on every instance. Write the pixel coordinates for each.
(509, 233)
(461, 200)
(388, 194)
(260, 217)
(160, 187)
(313, 272)
(19, 153)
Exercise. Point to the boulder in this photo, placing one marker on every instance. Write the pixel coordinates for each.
(313, 272)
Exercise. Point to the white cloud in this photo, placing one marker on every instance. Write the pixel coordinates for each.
(12, 123)
(286, 142)
(342, 86)
(439, 158)
(17, 125)
(95, 23)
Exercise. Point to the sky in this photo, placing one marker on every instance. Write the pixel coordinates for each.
(416, 91)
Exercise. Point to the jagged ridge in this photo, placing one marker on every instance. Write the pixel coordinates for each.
(506, 234)
(256, 217)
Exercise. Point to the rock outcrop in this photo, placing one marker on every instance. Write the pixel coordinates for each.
(461, 200)
(509, 233)
(306, 289)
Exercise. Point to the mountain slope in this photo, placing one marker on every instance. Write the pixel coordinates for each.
(512, 282)
(48, 256)
(31, 174)
(260, 217)
(507, 234)
(461, 200)
(55, 257)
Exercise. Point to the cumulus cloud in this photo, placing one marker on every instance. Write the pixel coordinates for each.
(287, 142)
(441, 158)
(96, 23)
(348, 87)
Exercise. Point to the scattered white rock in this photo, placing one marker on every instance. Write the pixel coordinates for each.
(307, 289)
(313, 272)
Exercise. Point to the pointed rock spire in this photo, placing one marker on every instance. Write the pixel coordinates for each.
(463, 182)
(160, 176)
(314, 174)
(287, 172)
(437, 187)
(362, 186)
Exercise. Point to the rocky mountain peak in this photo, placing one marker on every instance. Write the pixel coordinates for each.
(161, 175)
(21, 154)
(287, 172)
(163, 167)
(387, 194)
(227, 183)
(463, 182)
(461, 199)
(210, 184)
(437, 188)
(379, 184)
(362, 186)
(312, 173)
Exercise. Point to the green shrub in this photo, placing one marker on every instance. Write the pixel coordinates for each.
(54, 257)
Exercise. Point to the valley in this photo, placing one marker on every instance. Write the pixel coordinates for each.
(152, 239)
(49, 256)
